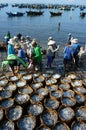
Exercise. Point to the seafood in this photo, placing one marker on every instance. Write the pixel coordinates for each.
(10, 87)
(76, 83)
(3, 82)
(7, 103)
(27, 77)
(36, 85)
(1, 114)
(14, 113)
(13, 78)
(56, 76)
(7, 125)
(61, 126)
(26, 90)
(68, 93)
(51, 81)
(52, 88)
(43, 127)
(68, 101)
(36, 98)
(42, 91)
(21, 83)
(5, 94)
(26, 123)
(57, 94)
(72, 76)
(39, 79)
(80, 98)
(78, 126)
(80, 90)
(64, 86)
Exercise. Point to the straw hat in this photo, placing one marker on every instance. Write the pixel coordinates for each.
(17, 46)
(33, 42)
(75, 40)
(12, 41)
(51, 42)
(69, 34)
(50, 38)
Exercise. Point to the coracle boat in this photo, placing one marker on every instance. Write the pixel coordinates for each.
(34, 13)
(10, 14)
(55, 13)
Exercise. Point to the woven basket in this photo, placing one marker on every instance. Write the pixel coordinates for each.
(52, 88)
(72, 76)
(51, 81)
(25, 90)
(13, 78)
(42, 91)
(36, 86)
(76, 83)
(65, 80)
(26, 122)
(68, 93)
(3, 82)
(56, 94)
(80, 98)
(80, 90)
(66, 101)
(21, 83)
(14, 113)
(1, 114)
(78, 125)
(66, 114)
(49, 118)
(4, 94)
(36, 98)
(64, 86)
(43, 127)
(39, 79)
(7, 125)
(10, 87)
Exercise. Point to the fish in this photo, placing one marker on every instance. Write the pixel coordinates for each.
(5, 94)
(36, 98)
(78, 125)
(7, 125)
(36, 85)
(22, 98)
(42, 91)
(64, 86)
(21, 83)
(61, 126)
(10, 87)
(68, 101)
(51, 103)
(68, 93)
(26, 90)
(57, 94)
(81, 113)
(13, 78)
(6, 103)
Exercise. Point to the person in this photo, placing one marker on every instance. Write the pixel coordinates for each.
(68, 56)
(19, 35)
(51, 51)
(76, 48)
(11, 49)
(69, 37)
(21, 54)
(7, 38)
(36, 55)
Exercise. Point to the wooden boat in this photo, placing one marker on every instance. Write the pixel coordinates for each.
(10, 14)
(82, 14)
(55, 13)
(34, 13)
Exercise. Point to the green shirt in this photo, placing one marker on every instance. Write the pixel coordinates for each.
(37, 53)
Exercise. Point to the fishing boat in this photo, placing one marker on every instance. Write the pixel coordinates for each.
(34, 13)
(55, 13)
(10, 14)
(82, 14)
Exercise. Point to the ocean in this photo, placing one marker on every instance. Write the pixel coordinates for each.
(41, 27)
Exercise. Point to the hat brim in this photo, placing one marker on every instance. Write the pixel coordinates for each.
(51, 43)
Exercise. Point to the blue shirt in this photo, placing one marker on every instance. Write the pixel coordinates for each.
(10, 49)
(76, 48)
(21, 54)
(68, 52)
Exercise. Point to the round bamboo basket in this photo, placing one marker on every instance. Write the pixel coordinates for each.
(22, 72)
(1, 114)
(52, 88)
(66, 80)
(56, 76)
(4, 94)
(28, 78)
(81, 113)
(7, 103)
(3, 82)
(51, 81)
(36, 98)
(49, 118)
(36, 74)
(76, 83)
(80, 98)
(51, 103)
(78, 125)
(27, 122)
(10, 87)
(35, 109)
(14, 113)
(7, 125)
(25, 90)
(72, 76)
(21, 83)
(46, 75)
(36, 86)
(21, 99)
(69, 93)
(66, 114)
(13, 78)
(61, 126)
(42, 91)
(66, 101)
(39, 79)
(80, 90)
(64, 86)
(56, 94)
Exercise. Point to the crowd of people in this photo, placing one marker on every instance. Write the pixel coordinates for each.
(27, 52)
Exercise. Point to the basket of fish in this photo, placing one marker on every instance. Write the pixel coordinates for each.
(66, 101)
(51, 103)
(81, 113)
(35, 109)
(4, 94)
(49, 117)
(42, 91)
(76, 83)
(13, 78)
(68, 93)
(56, 94)
(66, 114)
(1, 114)
(23, 72)
(39, 79)
(56, 76)
(28, 78)
(80, 98)
(72, 76)
(36, 74)
(36, 98)
(46, 75)
(25, 90)
(7, 125)
(3, 82)
(61, 126)
(21, 98)
(21, 83)
(10, 87)
(52, 87)
(65, 80)
(51, 81)
(64, 86)
(14, 113)
(27, 122)
(43, 127)
(80, 90)
(36, 86)
(6, 103)
(78, 125)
